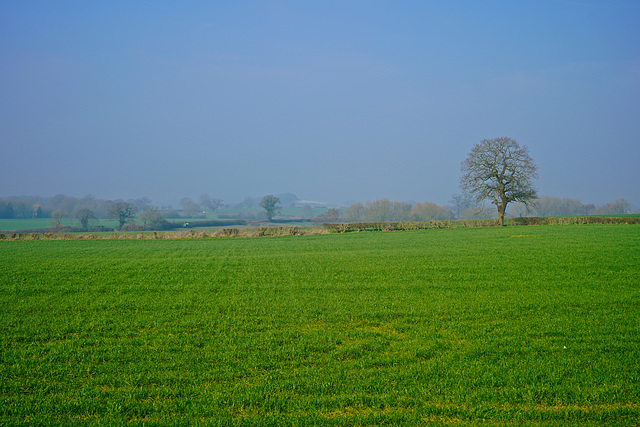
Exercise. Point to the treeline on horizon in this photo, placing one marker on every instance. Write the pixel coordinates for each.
(461, 206)
(60, 205)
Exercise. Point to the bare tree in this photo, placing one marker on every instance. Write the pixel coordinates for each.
(620, 206)
(501, 171)
(554, 206)
(378, 210)
(354, 213)
(460, 202)
(428, 211)
(190, 208)
(56, 221)
(210, 203)
(400, 211)
(140, 203)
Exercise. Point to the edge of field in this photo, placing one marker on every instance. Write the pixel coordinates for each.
(330, 228)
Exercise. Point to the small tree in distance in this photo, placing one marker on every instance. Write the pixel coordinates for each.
(501, 171)
(268, 203)
(152, 219)
(210, 203)
(123, 212)
(56, 221)
(428, 211)
(354, 213)
(460, 202)
(190, 208)
(84, 215)
(330, 215)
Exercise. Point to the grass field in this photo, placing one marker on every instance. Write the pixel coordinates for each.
(493, 326)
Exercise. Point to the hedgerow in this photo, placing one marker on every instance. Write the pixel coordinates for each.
(326, 228)
(388, 226)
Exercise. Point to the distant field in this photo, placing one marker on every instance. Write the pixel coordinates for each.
(494, 326)
(31, 223)
(45, 223)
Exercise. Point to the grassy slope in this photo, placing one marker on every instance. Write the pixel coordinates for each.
(509, 325)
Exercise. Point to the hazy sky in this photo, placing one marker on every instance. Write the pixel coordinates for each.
(330, 100)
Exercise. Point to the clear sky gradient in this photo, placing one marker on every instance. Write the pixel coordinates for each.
(331, 100)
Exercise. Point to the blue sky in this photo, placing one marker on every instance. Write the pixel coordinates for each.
(333, 101)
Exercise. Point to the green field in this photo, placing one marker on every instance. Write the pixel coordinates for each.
(45, 223)
(535, 325)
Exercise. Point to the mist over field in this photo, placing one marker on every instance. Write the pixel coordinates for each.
(334, 102)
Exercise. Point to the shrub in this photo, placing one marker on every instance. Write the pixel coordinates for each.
(294, 231)
(227, 232)
(331, 215)
(132, 226)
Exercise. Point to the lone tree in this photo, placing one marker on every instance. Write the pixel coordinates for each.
(56, 221)
(122, 211)
(268, 203)
(84, 215)
(501, 171)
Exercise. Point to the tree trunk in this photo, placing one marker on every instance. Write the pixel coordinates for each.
(501, 210)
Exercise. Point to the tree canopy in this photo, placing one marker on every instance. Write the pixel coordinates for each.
(210, 203)
(123, 212)
(501, 171)
(84, 215)
(268, 203)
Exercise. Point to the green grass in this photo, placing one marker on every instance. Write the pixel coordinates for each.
(30, 223)
(496, 326)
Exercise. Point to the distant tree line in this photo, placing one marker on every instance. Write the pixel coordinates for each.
(545, 206)
(141, 214)
(88, 210)
(89, 207)
(462, 206)
(385, 210)
(61, 206)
